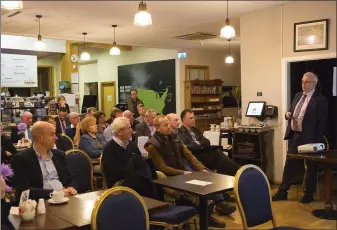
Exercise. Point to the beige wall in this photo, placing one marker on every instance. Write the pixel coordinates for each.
(55, 62)
(262, 53)
(307, 11)
(230, 74)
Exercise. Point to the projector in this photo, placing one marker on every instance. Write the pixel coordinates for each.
(311, 148)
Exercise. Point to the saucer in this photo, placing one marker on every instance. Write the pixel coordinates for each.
(64, 200)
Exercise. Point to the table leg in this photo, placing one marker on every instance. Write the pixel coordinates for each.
(327, 213)
(203, 215)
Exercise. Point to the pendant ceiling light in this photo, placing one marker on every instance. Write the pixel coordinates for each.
(142, 17)
(85, 56)
(227, 31)
(115, 50)
(39, 44)
(11, 5)
(229, 59)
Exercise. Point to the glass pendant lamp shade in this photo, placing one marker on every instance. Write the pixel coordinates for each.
(115, 50)
(85, 56)
(229, 59)
(227, 31)
(142, 17)
(11, 5)
(39, 44)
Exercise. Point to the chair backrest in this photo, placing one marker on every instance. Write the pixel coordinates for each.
(120, 208)
(67, 143)
(252, 193)
(105, 185)
(80, 164)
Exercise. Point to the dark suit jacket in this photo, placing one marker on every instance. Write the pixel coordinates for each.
(14, 134)
(132, 106)
(142, 130)
(314, 123)
(115, 160)
(187, 139)
(28, 174)
(6, 145)
(66, 105)
(58, 124)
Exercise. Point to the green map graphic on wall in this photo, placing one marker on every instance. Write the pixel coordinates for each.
(152, 99)
(154, 82)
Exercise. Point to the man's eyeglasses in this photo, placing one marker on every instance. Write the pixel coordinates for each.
(306, 82)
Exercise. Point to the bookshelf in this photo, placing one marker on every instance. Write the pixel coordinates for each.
(203, 97)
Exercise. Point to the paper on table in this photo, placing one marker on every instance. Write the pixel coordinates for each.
(199, 182)
(87, 196)
(141, 142)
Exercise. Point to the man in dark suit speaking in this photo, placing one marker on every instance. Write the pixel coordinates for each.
(306, 124)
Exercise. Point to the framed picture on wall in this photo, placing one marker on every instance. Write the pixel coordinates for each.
(311, 35)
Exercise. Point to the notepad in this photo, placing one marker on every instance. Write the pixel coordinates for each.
(199, 182)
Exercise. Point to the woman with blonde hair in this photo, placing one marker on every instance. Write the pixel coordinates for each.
(91, 142)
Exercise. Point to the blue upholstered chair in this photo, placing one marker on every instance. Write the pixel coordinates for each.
(80, 164)
(120, 208)
(173, 216)
(67, 143)
(252, 193)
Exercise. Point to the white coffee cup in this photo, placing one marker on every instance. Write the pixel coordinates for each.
(57, 196)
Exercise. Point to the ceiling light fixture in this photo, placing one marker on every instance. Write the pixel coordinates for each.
(142, 17)
(227, 31)
(85, 56)
(39, 44)
(11, 5)
(115, 50)
(229, 59)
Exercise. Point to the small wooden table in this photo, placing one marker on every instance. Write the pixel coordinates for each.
(327, 158)
(79, 208)
(220, 183)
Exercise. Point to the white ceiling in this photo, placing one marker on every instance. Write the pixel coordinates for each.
(69, 19)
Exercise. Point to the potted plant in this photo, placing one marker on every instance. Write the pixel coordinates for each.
(64, 86)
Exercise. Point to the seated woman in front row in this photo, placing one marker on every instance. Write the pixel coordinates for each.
(91, 142)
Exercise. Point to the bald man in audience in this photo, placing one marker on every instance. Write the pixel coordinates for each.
(146, 127)
(27, 118)
(42, 169)
(174, 122)
(129, 115)
(74, 129)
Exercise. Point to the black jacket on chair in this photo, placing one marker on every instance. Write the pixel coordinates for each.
(314, 124)
(58, 125)
(115, 160)
(28, 174)
(187, 139)
(6, 145)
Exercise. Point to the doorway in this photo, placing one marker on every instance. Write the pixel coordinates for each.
(286, 89)
(108, 97)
